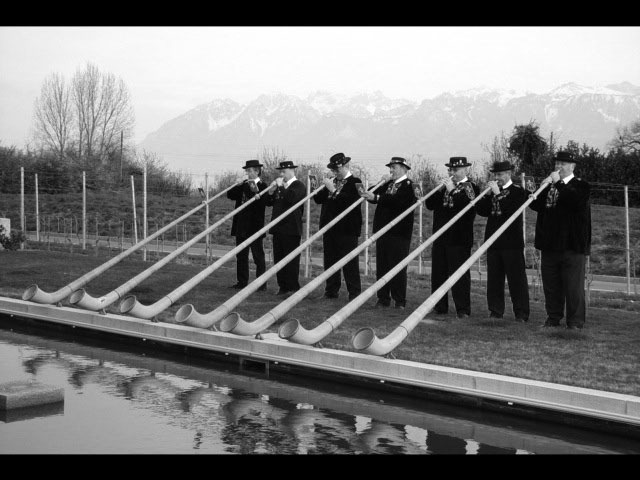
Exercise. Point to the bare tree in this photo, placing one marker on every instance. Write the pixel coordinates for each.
(628, 138)
(425, 171)
(53, 115)
(498, 152)
(116, 115)
(83, 85)
(103, 110)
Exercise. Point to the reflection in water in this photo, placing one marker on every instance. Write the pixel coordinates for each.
(445, 444)
(483, 448)
(228, 412)
(32, 365)
(389, 438)
(318, 431)
(207, 396)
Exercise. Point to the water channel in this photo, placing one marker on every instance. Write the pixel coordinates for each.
(124, 399)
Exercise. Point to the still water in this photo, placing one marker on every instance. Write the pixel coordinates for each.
(120, 399)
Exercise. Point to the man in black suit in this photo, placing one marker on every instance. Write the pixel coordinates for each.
(247, 222)
(393, 247)
(563, 235)
(505, 256)
(453, 247)
(342, 238)
(283, 193)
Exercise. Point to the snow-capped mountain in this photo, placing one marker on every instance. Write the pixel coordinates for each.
(364, 105)
(372, 128)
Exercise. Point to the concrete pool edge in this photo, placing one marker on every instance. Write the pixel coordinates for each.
(512, 391)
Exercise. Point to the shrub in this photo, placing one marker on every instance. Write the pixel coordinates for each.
(13, 241)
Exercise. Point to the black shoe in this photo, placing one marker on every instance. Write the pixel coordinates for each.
(381, 304)
(330, 295)
(282, 292)
(550, 324)
(522, 319)
(463, 316)
(238, 286)
(353, 296)
(574, 327)
(494, 315)
(440, 312)
(400, 306)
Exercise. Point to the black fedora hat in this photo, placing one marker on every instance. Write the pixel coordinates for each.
(457, 162)
(564, 157)
(286, 164)
(399, 161)
(252, 163)
(501, 167)
(338, 160)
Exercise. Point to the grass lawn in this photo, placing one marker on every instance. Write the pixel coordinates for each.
(605, 355)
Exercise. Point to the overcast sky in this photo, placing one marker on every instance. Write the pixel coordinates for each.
(170, 70)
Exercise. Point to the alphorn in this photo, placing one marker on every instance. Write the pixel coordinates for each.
(244, 328)
(232, 319)
(34, 294)
(130, 305)
(86, 301)
(311, 337)
(292, 329)
(365, 338)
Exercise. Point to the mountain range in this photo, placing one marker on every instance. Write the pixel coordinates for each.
(371, 128)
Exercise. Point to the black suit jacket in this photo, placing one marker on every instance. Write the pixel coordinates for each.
(498, 209)
(564, 223)
(251, 219)
(391, 201)
(333, 204)
(445, 206)
(282, 200)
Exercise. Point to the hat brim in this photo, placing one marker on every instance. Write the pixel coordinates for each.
(284, 168)
(252, 166)
(457, 166)
(344, 161)
(398, 163)
(498, 170)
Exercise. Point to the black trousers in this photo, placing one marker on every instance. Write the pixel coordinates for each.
(288, 275)
(445, 260)
(335, 247)
(563, 286)
(391, 250)
(509, 263)
(242, 259)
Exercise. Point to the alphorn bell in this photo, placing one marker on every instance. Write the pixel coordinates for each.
(34, 294)
(311, 337)
(365, 339)
(130, 305)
